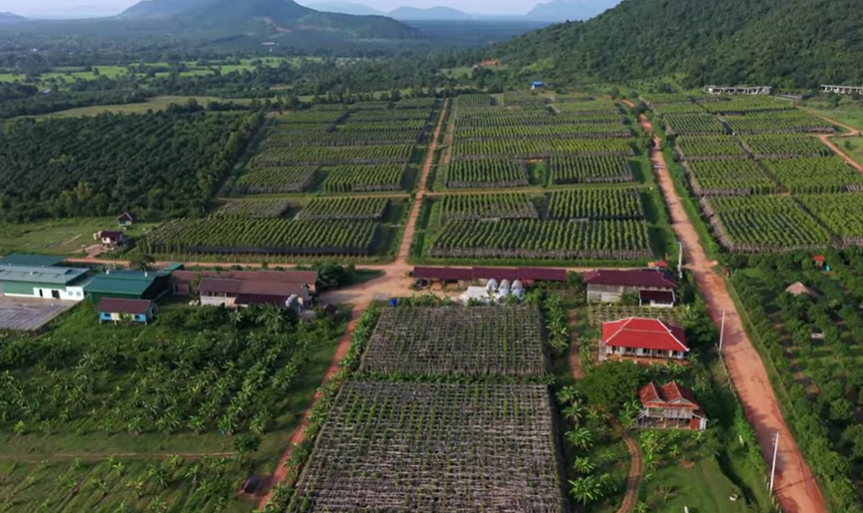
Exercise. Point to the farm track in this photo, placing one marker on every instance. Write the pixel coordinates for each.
(574, 356)
(854, 131)
(390, 284)
(299, 434)
(796, 488)
(633, 479)
(830, 144)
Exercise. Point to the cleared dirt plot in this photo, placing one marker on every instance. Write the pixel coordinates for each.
(273, 179)
(255, 209)
(575, 170)
(814, 175)
(595, 204)
(709, 147)
(29, 314)
(458, 341)
(778, 122)
(455, 448)
(558, 240)
(345, 208)
(728, 178)
(693, 124)
(784, 146)
(373, 178)
(840, 213)
(486, 174)
(235, 235)
(760, 224)
(466, 207)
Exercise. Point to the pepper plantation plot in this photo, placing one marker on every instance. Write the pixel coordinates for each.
(458, 341)
(425, 447)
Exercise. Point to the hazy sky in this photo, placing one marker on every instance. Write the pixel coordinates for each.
(84, 8)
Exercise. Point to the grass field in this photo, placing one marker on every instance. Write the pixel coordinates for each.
(702, 487)
(853, 146)
(59, 237)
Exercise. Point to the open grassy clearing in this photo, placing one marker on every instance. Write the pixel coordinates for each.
(59, 237)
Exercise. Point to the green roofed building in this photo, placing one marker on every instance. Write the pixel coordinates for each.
(30, 260)
(43, 282)
(128, 285)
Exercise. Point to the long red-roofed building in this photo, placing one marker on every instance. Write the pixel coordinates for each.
(635, 338)
(669, 405)
(653, 287)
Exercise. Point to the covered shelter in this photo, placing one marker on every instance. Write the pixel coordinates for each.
(610, 285)
(128, 285)
(65, 283)
(638, 338)
(122, 310)
(126, 219)
(799, 289)
(669, 406)
(238, 293)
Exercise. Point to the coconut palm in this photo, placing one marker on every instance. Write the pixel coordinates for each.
(574, 412)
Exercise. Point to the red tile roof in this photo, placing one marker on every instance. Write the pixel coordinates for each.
(126, 306)
(819, 258)
(637, 278)
(645, 334)
(668, 395)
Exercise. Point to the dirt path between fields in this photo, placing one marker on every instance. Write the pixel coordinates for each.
(392, 283)
(633, 478)
(796, 488)
(299, 434)
(830, 144)
(574, 346)
(853, 130)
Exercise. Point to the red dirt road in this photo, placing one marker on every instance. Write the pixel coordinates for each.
(299, 434)
(394, 282)
(796, 488)
(826, 140)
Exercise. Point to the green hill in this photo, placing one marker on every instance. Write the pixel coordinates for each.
(283, 18)
(780, 42)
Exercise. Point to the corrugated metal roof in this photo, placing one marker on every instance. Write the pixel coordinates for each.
(30, 260)
(637, 278)
(121, 282)
(443, 273)
(249, 287)
(127, 306)
(46, 275)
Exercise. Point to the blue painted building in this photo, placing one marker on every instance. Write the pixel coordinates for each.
(126, 310)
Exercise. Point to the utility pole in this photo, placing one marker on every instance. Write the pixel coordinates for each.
(680, 261)
(775, 451)
(721, 332)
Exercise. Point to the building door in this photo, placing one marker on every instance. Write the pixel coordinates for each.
(55, 294)
(41, 294)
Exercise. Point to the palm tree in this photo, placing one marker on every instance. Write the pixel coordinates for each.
(157, 505)
(585, 489)
(567, 395)
(580, 438)
(574, 412)
(583, 465)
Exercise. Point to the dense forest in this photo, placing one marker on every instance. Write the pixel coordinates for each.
(165, 164)
(787, 43)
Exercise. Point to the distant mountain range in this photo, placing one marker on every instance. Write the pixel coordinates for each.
(7, 18)
(272, 18)
(555, 11)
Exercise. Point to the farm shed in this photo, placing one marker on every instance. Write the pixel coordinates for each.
(185, 282)
(669, 406)
(111, 239)
(118, 310)
(64, 283)
(126, 219)
(450, 274)
(27, 259)
(609, 286)
(637, 338)
(234, 293)
(128, 285)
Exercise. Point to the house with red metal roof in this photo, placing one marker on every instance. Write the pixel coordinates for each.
(669, 406)
(653, 287)
(237, 293)
(636, 338)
